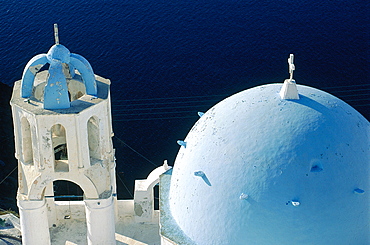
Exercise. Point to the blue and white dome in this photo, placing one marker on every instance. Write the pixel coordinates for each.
(258, 169)
(63, 64)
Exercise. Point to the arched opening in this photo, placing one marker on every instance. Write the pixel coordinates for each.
(93, 139)
(65, 210)
(62, 199)
(156, 196)
(59, 141)
(27, 151)
(67, 191)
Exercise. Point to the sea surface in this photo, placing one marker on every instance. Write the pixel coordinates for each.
(167, 60)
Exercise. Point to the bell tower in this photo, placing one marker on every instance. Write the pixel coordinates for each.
(63, 129)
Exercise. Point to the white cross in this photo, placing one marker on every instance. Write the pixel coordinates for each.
(291, 66)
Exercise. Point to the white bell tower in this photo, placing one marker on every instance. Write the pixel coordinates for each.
(63, 129)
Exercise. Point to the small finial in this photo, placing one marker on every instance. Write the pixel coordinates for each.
(203, 176)
(295, 203)
(182, 143)
(199, 173)
(56, 35)
(200, 114)
(291, 65)
(243, 196)
(165, 165)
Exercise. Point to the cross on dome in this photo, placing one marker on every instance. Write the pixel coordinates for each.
(291, 66)
(289, 89)
(62, 62)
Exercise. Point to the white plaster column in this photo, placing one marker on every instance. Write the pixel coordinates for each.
(50, 204)
(143, 201)
(34, 222)
(114, 186)
(100, 221)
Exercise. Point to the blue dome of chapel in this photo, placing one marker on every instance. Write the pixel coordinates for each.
(62, 68)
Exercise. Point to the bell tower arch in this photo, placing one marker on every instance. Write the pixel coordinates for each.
(59, 137)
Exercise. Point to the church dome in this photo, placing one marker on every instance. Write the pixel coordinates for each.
(258, 169)
(56, 84)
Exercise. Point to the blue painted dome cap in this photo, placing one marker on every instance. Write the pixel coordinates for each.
(59, 52)
(62, 62)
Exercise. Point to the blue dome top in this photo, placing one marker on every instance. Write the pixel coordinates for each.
(61, 61)
(258, 169)
(59, 52)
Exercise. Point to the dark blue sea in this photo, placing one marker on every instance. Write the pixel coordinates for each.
(167, 60)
